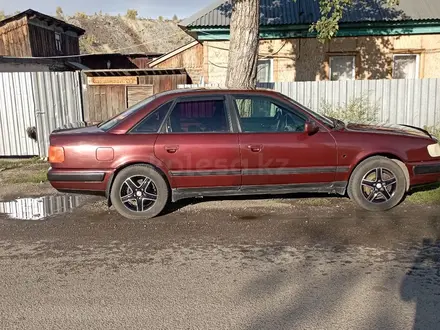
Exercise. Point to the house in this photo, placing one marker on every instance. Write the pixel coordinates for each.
(374, 42)
(33, 34)
(189, 56)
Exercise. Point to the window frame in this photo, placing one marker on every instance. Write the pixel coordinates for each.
(224, 99)
(284, 105)
(417, 55)
(270, 60)
(330, 57)
(151, 113)
(58, 42)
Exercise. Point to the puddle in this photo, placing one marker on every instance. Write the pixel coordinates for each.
(39, 208)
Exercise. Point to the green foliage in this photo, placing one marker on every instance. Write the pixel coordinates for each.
(81, 15)
(131, 14)
(59, 12)
(331, 13)
(357, 110)
(175, 18)
(434, 130)
(3, 15)
(160, 18)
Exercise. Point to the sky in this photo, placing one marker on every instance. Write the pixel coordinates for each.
(145, 8)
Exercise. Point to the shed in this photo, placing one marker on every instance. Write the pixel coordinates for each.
(34, 34)
(189, 56)
(109, 92)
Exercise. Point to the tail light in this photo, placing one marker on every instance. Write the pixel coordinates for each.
(56, 154)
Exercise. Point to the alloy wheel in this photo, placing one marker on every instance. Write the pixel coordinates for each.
(379, 185)
(138, 193)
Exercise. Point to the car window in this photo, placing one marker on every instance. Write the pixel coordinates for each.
(112, 122)
(198, 116)
(153, 121)
(261, 114)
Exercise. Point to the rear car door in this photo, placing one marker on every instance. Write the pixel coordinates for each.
(198, 145)
(274, 147)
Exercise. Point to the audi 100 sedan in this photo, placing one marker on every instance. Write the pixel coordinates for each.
(194, 143)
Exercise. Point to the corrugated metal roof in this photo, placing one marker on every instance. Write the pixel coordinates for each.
(132, 72)
(44, 17)
(290, 12)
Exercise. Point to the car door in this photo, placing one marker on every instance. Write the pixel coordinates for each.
(274, 147)
(198, 146)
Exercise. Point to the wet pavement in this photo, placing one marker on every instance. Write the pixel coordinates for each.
(39, 208)
(233, 264)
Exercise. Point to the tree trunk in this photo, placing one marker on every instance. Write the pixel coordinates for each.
(243, 49)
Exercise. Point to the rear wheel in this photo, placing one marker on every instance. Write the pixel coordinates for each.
(377, 184)
(139, 192)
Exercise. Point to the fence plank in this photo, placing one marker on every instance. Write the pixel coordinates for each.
(411, 102)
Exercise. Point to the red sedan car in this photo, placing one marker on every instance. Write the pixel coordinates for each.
(193, 143)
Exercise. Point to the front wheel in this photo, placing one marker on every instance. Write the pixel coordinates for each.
(139, 192)
(377, 184)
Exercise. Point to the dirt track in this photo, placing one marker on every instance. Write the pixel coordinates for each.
(234, 264)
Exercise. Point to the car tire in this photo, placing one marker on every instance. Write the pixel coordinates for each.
(371, 184)
(128, 184)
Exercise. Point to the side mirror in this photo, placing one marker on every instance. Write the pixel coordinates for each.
(311, 128)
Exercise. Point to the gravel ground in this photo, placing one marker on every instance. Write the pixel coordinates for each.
(212, 264)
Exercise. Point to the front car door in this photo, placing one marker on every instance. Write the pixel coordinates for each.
(198, 145)
(276, 151)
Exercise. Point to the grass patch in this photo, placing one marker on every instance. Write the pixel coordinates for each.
(425, 197)
(28, 177)
(9, 164)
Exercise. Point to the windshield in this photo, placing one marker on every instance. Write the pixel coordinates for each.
(327, 121)
(112, 122)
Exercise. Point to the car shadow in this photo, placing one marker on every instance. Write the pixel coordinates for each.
(173, 207)
(315, 300)
(424, 188)
(421, 285)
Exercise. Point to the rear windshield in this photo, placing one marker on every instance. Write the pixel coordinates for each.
(112, 122)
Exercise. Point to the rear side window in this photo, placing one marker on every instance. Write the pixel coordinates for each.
(153, 121)
(207, 116)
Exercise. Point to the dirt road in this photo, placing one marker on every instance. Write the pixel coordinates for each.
(233, 264)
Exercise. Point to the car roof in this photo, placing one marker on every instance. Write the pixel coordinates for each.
(215, 91)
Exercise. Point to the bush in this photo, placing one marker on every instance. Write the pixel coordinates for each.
(434, 130)
(81, 15)
(59, 12)
(357, 110)
(131, 14)
(2, 15)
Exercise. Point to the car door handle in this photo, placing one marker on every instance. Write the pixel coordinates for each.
(255, 148)
(171, 149)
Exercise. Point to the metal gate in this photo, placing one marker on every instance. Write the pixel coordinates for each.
(57, 97)
(17, 114)
(41, 102)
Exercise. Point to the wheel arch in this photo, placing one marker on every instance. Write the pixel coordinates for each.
(390, 156)
(128, 164)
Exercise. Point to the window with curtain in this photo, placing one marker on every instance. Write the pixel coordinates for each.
(406, 66)
(264, 71)
(342, 67)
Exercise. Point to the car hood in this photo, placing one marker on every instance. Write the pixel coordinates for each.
(406, 130)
